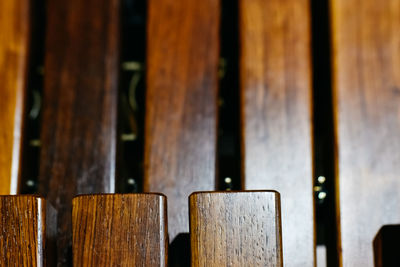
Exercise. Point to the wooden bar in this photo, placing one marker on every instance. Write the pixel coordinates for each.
(15, 31)
(120, 230)
(387, 246)
(181, 102)
(22, 230)
(79, 118)
(276, 90)
(235, 229)
(366, 83)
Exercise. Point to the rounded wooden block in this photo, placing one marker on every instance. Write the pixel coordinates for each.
(22, 230)
(119, 229)
(235, 228)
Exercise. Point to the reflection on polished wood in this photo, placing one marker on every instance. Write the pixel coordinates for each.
(235, 229)
(14, 50)
(22, 230)
(366, 80)
(275, 73)
(181, 102)
(120, 230)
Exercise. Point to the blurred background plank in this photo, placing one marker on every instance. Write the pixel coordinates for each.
(275, 73)
(15, 20)
(366, 83)
(78, 132)
(181, 104)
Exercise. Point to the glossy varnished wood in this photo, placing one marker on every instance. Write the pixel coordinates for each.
(14, 48)
(79, 107)
(120, 230)
(180, 132)
(276, 114)
(366, 83)
(235, 229)
(22, 230)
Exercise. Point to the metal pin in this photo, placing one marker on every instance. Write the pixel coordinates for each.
(30, 183)
(132, 66)
(128, 137)
(321, 195)
(317, 188)
(131, 181)
(34, 142)
(321, 179)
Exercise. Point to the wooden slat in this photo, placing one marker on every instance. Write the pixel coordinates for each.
(14, 48)
(275, 76)
(80, 105)
(22, 230)
(387, 246)
(180, 132)
(235, 229)
(366, 83)
(120, 230)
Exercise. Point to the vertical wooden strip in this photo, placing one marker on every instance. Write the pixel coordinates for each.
(14, 52)
(235, 229)
(366, 83)
(80, 105)
(120, 230)
(181, 113)
(22, 230)
(275, 73)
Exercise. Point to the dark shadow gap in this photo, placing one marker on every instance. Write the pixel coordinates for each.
(30, 155)
(131, 105)
(324, 167)
(386, 246)
(228, 142)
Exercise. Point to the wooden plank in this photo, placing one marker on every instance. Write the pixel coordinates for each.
(120, 230)
(22, 230)
(80, 106)
(235, 229)
(14, 52)
(275, 76)
(387, 246)
(181, 102)
(366, 83)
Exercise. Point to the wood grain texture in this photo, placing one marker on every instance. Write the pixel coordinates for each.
(387, 246)
(80, 105)
(22, 230)
(366, 83)
(120, 230)
(14, 50)
(275, 76)
(181, 102)
(235, 229)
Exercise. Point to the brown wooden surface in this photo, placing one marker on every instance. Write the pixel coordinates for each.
(79, 107)
(235, 229)
(182, 62)
(22, 230)
(14, 48)
(120, 230)
(366, 79)
(276, 114)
